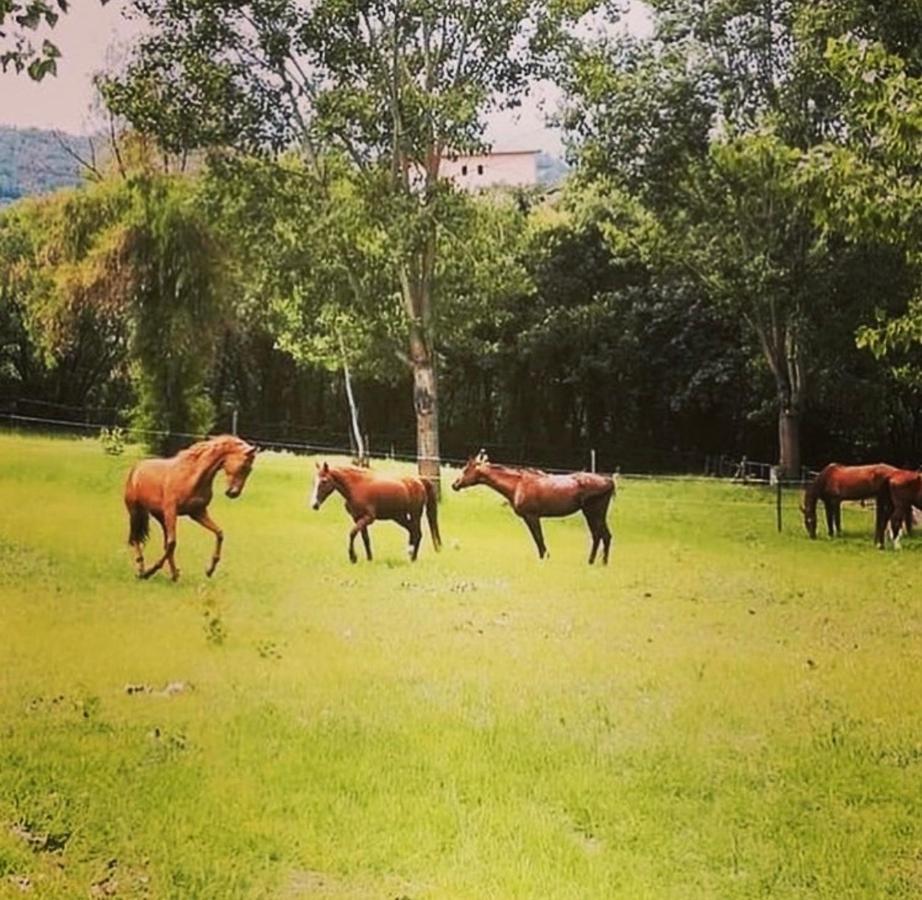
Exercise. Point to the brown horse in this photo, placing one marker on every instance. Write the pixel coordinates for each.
(181, 486)
(533, 494)
(836, 483)
(900, 493)
(370, 496)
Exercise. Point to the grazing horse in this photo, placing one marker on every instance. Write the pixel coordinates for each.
(533, 494)
(836, 483)
(370, 496)
(181, 486)
(900, 493)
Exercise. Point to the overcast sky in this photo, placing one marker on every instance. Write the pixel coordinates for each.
(93, 35)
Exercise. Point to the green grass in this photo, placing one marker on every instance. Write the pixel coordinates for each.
(723, 712)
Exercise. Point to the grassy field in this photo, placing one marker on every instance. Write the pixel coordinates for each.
(723, 712)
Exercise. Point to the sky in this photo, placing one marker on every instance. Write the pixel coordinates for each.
(92, 36)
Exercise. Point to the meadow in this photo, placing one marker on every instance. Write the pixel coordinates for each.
(725, 711)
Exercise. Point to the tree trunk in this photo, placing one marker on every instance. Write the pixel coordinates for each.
(789, 441)
(425, 404)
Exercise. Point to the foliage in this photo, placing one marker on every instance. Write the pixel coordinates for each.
(867, 184)
(389, 86)
(112, 440)
(708, 126)
(126, 270)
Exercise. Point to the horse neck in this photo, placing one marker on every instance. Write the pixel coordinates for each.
(206, 464)
(342, 480)
(812, 493)
(502, 480)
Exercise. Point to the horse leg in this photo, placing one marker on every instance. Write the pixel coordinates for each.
(207, 522)
(361, 523)
(832, 515)
(167, 520)
(896, 525)
(534, 526)
(366, 540)
(596, 533)
(416, 533)
(885, 509)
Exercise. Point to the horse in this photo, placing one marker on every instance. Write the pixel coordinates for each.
(533, 494)
(836, 483)
(181, 486)
(900, 493)
(370, 496)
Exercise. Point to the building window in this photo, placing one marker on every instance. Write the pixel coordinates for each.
(464, 170)
(480, 170)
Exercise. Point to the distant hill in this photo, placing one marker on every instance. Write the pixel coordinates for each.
(32, 161)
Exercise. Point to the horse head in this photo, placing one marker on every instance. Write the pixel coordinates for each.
(238, 463)
(470, 474)
(809, 520)
(324, 485)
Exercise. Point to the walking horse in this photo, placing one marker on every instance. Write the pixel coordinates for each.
(182, 486)
(534, 494)
(370, 496)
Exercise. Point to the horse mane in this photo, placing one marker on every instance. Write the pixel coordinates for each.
(521, 470)
(199, 448)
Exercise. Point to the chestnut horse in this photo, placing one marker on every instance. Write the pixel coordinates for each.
(836, 483)
(901, 492)
(181, 486)
(370, 496)
(533, 494)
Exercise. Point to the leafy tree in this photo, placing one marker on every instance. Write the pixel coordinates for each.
(867, 184)
(125, 269)
(706, 126)
(390, 85)
(21, 21)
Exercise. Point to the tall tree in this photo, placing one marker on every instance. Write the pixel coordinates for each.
(125, 271)
(392, 85)
(705, 124)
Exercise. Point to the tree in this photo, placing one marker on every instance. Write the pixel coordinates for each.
(706, 125)
(866, 185)
(390, 85)
(19, 18)
(127, 269)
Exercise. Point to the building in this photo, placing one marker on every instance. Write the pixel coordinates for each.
(509, 168)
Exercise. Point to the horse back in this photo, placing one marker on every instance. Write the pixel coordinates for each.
(853, 482)
(389, 497)
(560, 495)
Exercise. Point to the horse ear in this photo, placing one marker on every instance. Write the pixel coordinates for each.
(326, 467)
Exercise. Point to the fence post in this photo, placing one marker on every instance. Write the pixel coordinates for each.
(774, 474)
(592, 460)
(234, 421)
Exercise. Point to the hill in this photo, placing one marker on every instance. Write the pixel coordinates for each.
(33, 161)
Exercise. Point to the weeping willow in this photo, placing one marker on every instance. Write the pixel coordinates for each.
(135, 258)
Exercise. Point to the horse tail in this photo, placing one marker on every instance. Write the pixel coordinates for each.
(139, 527)
(432, 513)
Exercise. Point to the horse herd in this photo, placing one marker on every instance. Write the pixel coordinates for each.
(897, 492)
(182, 486)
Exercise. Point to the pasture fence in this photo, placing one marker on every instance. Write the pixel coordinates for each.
(769, 489)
